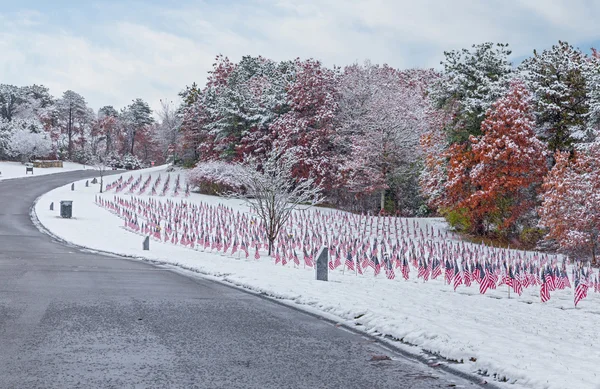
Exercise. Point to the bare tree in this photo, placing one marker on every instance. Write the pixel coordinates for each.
(269, 188)
(101, 163)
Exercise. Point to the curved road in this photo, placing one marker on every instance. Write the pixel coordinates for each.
(71, 319)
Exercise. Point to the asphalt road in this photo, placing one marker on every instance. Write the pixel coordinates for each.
(71, 319)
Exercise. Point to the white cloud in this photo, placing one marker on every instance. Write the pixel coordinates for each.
(154, 54)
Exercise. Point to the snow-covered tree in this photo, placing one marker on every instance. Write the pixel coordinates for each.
(556, 77)
(571, 201)
(270, 189)
(308, 129)
(167, 132)
(242, 100)
(592, 79)
(107, 126)
(11, 99)
(472, 80)
(135, 117)
(509, 163)
(27, 144)
(382, 115)
(74, 116)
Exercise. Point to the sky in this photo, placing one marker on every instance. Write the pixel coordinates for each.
(113, 51)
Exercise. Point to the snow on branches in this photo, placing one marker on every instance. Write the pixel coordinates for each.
(382, 115)
(27, 144)
(493, 180)
(509, 161)
(267, 186)
(571, 201)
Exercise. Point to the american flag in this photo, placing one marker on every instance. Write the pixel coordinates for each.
(544, 292)
(486, 281)
(405, 269)
(510, 278)
(449, 272)
(548, 276)
(437, 269)
(458, 279)
(467, 274)
(389, 269)
(516, 282)
(338, 259)
(421, 270)
(581, 289)
(349, 261)
(377, 265)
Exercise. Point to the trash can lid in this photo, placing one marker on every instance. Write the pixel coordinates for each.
(67, 202)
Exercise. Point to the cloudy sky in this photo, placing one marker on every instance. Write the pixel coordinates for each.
(112, 51)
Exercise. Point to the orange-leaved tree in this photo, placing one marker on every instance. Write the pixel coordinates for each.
(506, 165)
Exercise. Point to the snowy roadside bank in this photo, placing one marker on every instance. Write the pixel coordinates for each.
(10, 170)
(531, 344)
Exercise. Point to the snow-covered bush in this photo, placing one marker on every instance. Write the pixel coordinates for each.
(131, 162)
(84, 156)
(215, 177)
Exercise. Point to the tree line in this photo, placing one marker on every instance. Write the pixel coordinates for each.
(484, 142)
(35, 124)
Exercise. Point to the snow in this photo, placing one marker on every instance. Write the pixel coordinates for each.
(528, 343)
(17, 170)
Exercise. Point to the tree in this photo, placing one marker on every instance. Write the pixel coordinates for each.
(26, 144)
(167, 132)
(108, 126)
(269, 188)
(11, 98)
(381, 115)
(307, 130)
(592, 79)
(74, 116)
(102, 164)
(136, 116)
(509, 163)
(556, 77)
(571, 201)
(471, 82)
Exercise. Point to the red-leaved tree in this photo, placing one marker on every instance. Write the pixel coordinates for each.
(307, 130)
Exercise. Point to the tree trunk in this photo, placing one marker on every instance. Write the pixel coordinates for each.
(132, 141)
(101, 183)
(382, 203)
(70, 133)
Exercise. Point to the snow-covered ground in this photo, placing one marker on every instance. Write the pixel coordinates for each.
(521, 340)
(17, 169)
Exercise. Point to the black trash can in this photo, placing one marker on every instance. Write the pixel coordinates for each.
(66, 209)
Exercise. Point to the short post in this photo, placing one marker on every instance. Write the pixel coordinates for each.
(322, 264)
(52, 206)
(146, 244)
(73, 186)
(87, 183)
